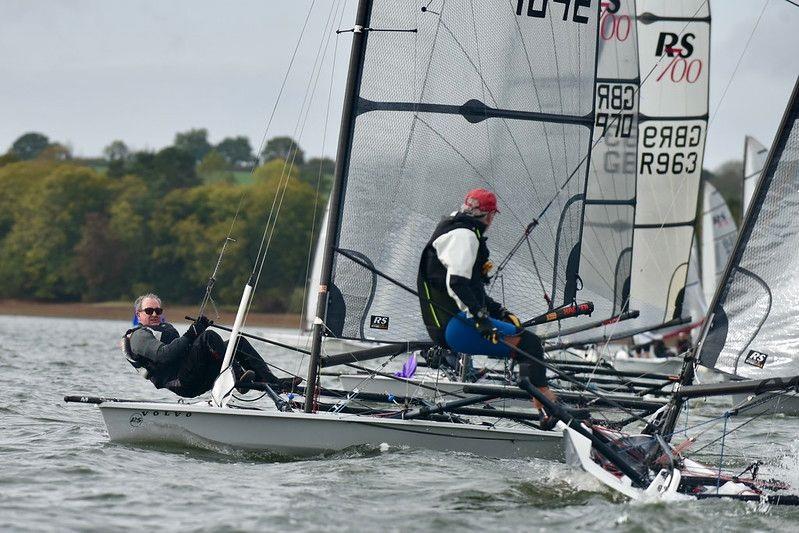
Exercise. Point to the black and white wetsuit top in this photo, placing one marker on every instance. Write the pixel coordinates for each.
(451, 274)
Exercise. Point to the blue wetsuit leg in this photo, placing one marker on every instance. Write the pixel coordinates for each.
(463, 337)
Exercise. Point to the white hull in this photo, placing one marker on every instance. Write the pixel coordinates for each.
(410, 387)
(303, 435)
(666, 365)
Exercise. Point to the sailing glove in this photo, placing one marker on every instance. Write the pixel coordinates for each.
(485, 327)
(196, 329)
(507, 316)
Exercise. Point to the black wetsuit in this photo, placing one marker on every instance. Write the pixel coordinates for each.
(443, 297)
(186, 365)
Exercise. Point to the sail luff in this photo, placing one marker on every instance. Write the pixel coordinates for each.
(718, 238)
(754, 159)
(337, 193)
(609, 208)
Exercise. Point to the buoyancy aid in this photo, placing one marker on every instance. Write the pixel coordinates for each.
(149, 369)
(440, 300)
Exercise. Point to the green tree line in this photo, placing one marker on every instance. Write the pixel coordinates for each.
(114, 227)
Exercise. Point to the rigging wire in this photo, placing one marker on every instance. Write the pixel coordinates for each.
(738, 63)
(271, 224)
(285, 78)
(308, 274)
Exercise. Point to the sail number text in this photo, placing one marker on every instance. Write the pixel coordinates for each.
(612, 26)
(670, 149)
(578, 9)
(615, 109)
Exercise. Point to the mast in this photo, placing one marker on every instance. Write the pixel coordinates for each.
(714, 331)
(342, 164)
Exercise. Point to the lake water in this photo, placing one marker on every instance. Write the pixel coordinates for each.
(59, 472)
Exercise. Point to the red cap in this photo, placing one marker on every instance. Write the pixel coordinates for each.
(481, 200)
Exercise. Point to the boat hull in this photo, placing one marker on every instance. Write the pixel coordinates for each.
(303, 435)
(666, 365)
(404, 387)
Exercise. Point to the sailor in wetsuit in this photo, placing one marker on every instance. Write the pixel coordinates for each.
(188, 364)
(458, 313)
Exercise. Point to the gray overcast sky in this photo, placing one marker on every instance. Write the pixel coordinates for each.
(86, 72)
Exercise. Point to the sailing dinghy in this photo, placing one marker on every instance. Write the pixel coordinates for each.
(441, 97)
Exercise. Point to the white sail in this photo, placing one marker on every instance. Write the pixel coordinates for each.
(315, 276)
(454, 96)
(754, 331)
(754, 159)
(674, 42)
(695, 303)
(606, 253)
(718, 238)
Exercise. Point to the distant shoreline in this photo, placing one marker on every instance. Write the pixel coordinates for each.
(121, 311)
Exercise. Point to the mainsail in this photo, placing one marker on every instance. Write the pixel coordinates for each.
(754, 159)
(674, 42)
(610, 200)
(718, 238)
(753, 330)
(452, 95)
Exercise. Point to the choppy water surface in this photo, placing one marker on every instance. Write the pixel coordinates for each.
(59, 472)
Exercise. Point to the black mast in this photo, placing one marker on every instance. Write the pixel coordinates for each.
(342, 166)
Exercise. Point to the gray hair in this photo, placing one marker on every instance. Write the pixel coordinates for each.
(140, 299)
(472, 210)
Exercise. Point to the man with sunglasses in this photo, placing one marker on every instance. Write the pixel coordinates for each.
(188, 364)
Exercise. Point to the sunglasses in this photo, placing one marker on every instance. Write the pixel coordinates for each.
(150, 310)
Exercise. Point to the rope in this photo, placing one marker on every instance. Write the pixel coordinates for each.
(721, 455)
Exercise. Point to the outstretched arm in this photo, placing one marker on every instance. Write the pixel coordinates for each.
(144, 344)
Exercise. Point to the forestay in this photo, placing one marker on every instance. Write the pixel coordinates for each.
(718, 238)
(495, 94)
(753, 330)
(610, 201)
(754, 159)
(674, 39)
